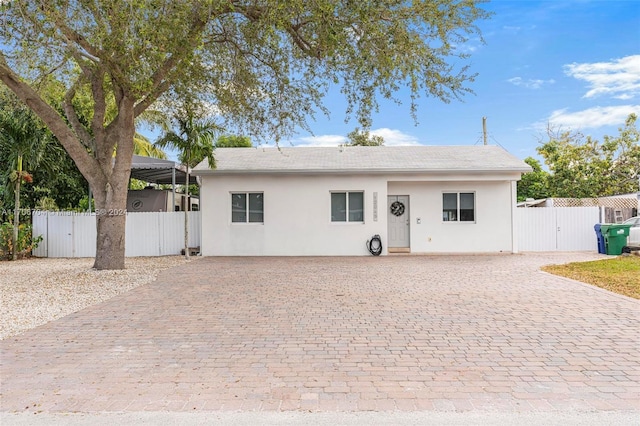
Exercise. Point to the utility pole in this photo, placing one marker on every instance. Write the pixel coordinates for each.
(484, 129)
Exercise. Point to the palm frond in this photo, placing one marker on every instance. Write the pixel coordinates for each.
(143, 146)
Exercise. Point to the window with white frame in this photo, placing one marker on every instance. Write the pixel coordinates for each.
(347, 206)
(247, 207)
(459, 207)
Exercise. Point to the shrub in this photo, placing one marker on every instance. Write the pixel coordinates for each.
(26, 242)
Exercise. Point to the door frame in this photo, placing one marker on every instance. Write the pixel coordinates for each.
(406, 249)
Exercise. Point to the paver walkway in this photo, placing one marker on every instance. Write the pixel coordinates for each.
(329, 334)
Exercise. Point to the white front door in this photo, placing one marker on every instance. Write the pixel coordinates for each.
(398, 220)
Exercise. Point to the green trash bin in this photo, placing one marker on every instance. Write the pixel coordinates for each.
(615, 237)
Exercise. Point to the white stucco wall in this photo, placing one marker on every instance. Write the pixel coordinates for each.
(297, 216)
(491, 231)
(297, 219)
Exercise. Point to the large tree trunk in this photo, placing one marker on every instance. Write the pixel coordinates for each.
(110, 189)
(110, 225)
(110, 247)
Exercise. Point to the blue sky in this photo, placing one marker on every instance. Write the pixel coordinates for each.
(573, 64)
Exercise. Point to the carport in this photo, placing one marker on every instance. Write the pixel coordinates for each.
(160, 172)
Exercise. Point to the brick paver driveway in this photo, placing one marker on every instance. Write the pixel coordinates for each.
(396, 333)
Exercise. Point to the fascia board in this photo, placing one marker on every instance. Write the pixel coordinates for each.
(358, 171)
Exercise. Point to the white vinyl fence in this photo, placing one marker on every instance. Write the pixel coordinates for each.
(67, 234)
(557, 228)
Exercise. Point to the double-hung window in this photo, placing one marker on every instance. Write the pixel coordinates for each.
(247, 207)
(347, 206)
(459, 207)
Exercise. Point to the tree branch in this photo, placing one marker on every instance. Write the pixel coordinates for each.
(69, 140)
(159, 80)
(72, 116)
(68, 32)
(255, 13)
(122, 136)
(100, 103)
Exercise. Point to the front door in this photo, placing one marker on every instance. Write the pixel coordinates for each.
(398, 221)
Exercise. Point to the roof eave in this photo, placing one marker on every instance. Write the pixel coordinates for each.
(212, 172)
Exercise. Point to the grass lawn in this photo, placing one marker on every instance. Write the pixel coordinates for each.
(619, 275)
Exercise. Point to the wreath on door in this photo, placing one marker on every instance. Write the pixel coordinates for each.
(397, 208)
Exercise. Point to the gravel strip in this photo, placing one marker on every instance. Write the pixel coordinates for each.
(38, 290)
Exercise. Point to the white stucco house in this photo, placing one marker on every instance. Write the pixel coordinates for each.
(331, 200)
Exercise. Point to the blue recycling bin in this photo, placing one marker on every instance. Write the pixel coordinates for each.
(602, 248)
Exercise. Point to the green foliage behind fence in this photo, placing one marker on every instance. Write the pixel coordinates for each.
(25, 244)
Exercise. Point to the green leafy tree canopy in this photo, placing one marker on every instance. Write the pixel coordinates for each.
(54, 174)
(363, 138)
(534, 184)
(233, 141)
(585, 168)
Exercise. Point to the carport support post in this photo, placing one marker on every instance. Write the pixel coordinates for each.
(173, 188)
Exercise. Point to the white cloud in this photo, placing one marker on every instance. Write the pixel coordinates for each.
(530, 83)
(619, 79)
(517, 28)
(469, 46)
(589, 118)
(394, 137)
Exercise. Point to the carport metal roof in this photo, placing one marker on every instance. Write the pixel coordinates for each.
(155, 170)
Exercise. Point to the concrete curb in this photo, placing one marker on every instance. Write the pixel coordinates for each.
(617, 418)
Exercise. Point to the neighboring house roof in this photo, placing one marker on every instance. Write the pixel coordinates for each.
(530, 202)
(363, 159)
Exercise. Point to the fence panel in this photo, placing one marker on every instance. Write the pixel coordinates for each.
(557, 228)
(535, 229)
(575, 228)
(60, 235)
(195, 228)
(173, 232)
(147, 234)
(39, 224)
(143, 234)
(84, 235)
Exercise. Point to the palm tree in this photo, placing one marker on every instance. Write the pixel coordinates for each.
(150, 119)
(24, 144)
(193, 139)
(143, 146)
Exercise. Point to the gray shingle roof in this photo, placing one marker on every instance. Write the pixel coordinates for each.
(360, 159)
